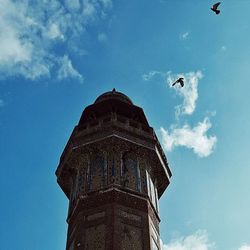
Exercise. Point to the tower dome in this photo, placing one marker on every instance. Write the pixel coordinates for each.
(113, 95)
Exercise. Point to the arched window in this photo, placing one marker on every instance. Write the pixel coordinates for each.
(78, 184)
(130, 172)
(97, 173)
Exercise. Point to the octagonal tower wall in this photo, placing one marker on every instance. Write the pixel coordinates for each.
(113, 170)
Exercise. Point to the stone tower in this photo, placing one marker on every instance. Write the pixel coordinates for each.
(113, 171)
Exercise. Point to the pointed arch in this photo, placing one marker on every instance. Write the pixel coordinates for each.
(97, 176)
(130, 171)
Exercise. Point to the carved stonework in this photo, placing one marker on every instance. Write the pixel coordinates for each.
(131, 237)
(129, 216)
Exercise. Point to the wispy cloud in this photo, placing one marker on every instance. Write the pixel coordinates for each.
(107, 3)
(195, 138)
(66, 69)
(196, 241)
(184, 36)
(189, 92)
(54, 32)
(245, 247)
(149, 76)
(30, 32)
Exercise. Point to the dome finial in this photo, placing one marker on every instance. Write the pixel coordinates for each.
(113, 90)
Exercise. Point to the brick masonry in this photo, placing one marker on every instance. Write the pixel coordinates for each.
(113, 171)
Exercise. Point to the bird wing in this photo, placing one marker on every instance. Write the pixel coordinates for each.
(215, 6)
(174, 83)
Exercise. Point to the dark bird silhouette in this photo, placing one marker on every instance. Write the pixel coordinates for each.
(180, 81)
(215, 8)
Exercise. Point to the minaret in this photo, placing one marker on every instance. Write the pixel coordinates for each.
(113, 171)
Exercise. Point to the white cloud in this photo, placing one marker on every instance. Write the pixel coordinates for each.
(13, 49)
(73, 5)
(89, 10)
(54, 32)
(196, 241)
(184, 36)
(30, 32)
(67, 70)
(245, 247)
(189, 92)
(194, 138)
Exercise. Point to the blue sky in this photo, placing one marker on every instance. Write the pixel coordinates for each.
(56, 57)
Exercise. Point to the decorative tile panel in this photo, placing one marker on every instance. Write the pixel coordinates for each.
(97, 173)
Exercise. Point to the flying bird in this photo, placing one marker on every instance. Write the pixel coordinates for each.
(180, 81)
(215, 8)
